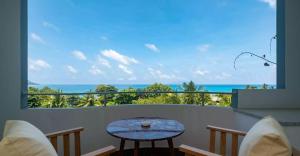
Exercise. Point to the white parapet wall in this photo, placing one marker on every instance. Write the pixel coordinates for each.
(264, 99)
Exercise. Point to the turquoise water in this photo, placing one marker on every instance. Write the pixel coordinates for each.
(176, 87)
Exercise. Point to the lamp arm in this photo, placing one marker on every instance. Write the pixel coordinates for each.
(252, 54)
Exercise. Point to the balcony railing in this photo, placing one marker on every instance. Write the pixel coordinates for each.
(61, 100)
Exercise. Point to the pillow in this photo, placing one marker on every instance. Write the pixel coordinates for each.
(265, 138)
(20, 138)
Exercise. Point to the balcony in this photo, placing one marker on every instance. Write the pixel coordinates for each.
(248, 106)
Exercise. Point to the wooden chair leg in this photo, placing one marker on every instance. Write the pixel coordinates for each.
(66, 140)
(212, 141)
(77, 144)
(234, 145)
(223, 144)
(53, 141)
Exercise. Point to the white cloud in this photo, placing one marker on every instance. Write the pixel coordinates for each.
(152, 47)
(223, 76)
(79, 55)
(37, 38)
(94, 70)
(271, 3)
(71, 69)
(112, 54)
(125, 69)
(37, 65)
(50, 25)
(103, 62)
(204, 47)
(159, 74)
(201, 72)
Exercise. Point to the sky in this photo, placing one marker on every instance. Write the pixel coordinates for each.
(148, 41)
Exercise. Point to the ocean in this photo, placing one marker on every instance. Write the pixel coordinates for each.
(78, 88)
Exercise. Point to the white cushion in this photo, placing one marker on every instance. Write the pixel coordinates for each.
(20, 138)
(266, 138)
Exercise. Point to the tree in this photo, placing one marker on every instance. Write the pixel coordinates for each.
(47, 100)
(169, 98)
(73, 100)
(126, 98)
(106, 97)
(265, 86)
(88, 100)
(106, 88)
(53, 100)
(190, 98)
(251, 87)
(33, 101)
(224, 100)
(157, 87)
(189, 87)
(59, 101)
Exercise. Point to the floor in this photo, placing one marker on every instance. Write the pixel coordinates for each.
(150, 152)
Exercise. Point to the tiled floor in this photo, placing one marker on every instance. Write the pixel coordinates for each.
(150, 152)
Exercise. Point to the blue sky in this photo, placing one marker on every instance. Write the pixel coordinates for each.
(147, 41)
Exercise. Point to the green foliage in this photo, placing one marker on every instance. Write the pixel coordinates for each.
(266, 86)
(157, 87)
(161, 99)
(106, 95)
(106, 88)
(59, 101)
(126, 98)
(33, 100)
(189, 98)
(73, 100)
(224, 100)
(251, 87)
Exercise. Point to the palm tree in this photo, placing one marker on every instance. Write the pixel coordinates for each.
(87, 100)
(59, 101)
(190, 98)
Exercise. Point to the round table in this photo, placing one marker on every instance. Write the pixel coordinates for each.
(131, 129)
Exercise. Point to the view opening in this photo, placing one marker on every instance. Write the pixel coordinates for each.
(111, 52)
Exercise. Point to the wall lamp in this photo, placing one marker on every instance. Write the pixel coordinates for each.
(267, 61)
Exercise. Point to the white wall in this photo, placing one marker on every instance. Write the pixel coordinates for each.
(10, 83)
(268, 99)
(292, 16)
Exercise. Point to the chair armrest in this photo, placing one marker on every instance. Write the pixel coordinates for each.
(64, 132)
(226, 130)
(296, 152)
(106, 151)
(195, 151)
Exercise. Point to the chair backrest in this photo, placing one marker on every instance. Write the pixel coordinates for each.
(223, 134)
(65, 134)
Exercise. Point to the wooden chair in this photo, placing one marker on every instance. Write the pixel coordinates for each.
(106, 151)
(192, 151)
